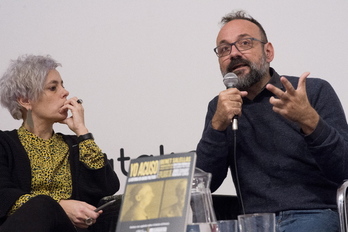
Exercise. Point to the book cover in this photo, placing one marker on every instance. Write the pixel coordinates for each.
(157, 194)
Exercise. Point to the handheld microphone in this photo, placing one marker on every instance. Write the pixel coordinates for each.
(230, 80)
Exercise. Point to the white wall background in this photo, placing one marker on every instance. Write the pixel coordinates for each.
(145, 68)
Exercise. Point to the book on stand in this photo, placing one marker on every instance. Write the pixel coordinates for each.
(157, 194)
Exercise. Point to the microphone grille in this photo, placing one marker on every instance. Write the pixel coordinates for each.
(230, 80)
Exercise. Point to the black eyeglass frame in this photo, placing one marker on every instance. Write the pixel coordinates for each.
(234, 43)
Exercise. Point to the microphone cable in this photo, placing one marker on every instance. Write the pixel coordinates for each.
(236, 167)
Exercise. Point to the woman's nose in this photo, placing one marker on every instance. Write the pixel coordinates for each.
(66, 93)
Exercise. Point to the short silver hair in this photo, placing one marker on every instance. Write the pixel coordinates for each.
(24, 78)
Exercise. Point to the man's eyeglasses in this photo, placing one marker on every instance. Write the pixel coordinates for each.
(242, 45)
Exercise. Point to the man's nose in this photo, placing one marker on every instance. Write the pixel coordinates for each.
(235, 52)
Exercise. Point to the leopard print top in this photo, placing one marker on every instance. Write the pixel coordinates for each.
(50, 168)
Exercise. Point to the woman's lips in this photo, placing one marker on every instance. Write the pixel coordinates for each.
(63, 111)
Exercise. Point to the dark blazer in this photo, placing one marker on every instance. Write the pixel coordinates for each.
(89, 185)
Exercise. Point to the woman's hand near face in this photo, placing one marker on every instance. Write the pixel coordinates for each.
(76, 122)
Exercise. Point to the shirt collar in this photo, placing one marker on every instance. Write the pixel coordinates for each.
(275, 79)
(27, 135)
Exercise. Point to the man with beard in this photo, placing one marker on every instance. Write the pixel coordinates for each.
(288, 155)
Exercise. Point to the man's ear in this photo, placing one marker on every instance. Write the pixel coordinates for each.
(24, 102)
(269, 51)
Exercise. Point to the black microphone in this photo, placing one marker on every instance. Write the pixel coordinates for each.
(230, 81)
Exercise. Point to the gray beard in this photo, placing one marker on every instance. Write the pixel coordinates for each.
(257, 72)
(255, 75)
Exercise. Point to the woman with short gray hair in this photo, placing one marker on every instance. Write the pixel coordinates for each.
(48, 181)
